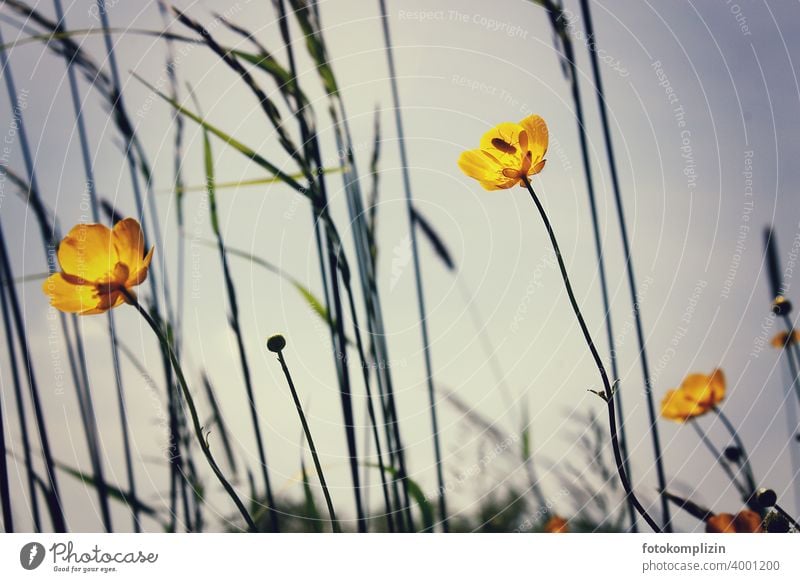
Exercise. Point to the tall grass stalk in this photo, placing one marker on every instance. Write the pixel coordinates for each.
(132, 149)
(189, 401)
(308, 18)
(412, 227)
(54, 495)
(22, 421)
(5, 492)
(234, 322)
(559, 24)
(626, 248)
(91, 190)
(608, 392)
(334, 251)
(777, 287)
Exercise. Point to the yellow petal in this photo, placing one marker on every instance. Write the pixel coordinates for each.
(538, 137)
(721, 523)
(502, 142)
(717, 386)
(87, 252)
(480, 166)
(70, 298)
(675, 407)
(139, 276)
(128, 241)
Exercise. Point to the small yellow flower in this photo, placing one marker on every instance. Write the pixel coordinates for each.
(697, 395)
(508, 153)
(783, 339)
(556, 524)
(745, 521)
(96, 264)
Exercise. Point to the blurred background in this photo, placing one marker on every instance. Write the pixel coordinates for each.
(703, 102)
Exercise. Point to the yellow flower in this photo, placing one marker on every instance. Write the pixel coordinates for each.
(556, 524)
(697, 395)
(745, 521)
(783, 339)
(97, 263)
(508, 153)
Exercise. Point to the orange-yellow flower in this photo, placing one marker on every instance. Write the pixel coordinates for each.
(782, 339)
(556, 524)
(97, 263)
(508, 153)
(746, 521)
(697, 395)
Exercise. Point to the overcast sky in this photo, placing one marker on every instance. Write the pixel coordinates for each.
(704, 102)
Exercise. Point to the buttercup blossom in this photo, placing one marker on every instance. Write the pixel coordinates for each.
(746, 521)
(508, 153)
(782, 339)
(97, 263)
(697, 395)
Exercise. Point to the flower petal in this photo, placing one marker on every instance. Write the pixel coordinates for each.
(722, 523)
(128, 240)
(87, 252)
(135, 278)
(503, 141)
(717, 386)
(70, 298)
(747, 521)
(538, 137)
(476, 164)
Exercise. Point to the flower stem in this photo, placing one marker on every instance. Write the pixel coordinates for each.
(307, 430)
(720, 459)
(187, 395)
(609, 393)
(748, 469)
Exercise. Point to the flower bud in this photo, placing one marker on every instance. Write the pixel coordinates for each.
(766, 498)
(733, 454)
(276, 343)
(781, 306)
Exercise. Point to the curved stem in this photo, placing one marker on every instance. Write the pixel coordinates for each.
(720, 459)
(748, 469)
(609, 393)
(187, 395)
(307, 430)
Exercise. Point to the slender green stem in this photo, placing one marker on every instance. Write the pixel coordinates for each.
(715, 452)
(609, 392)
(187, 395)
(601, 104)
(412, 227)
(371, 409)
(748, 469)
(307, 430)
(792, 354)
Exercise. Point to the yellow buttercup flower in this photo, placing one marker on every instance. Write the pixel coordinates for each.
(745, 521)
(783, 339)
(508, 153)
(697, 395)
(97, 263)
